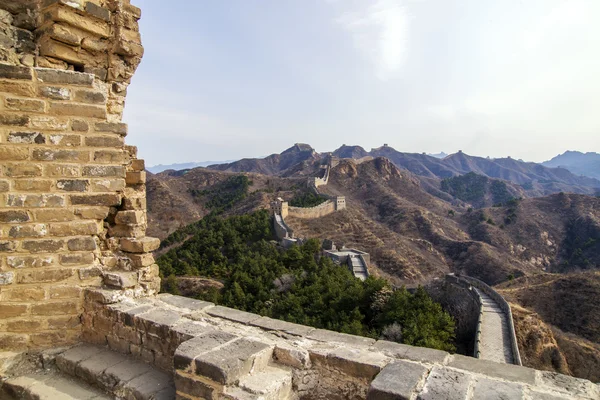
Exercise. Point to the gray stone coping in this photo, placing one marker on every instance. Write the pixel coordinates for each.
(206, 336)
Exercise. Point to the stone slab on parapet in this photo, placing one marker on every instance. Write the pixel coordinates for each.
(398, 381)
(187, 352)
(508, 372)
(323, 335)
(421, 354)
(282, 326)
(232, 314)
(184, 302)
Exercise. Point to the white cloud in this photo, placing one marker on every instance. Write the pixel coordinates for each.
(381, 32)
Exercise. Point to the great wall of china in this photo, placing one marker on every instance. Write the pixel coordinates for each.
(80, 317)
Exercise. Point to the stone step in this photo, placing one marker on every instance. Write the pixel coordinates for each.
(49, 386)
(272, 383)
(116, 373)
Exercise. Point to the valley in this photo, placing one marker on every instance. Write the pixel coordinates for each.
(501, 221)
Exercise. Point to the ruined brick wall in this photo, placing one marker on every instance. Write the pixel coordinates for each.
(72, 194)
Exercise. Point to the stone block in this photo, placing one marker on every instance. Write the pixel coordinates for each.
(90, 97)
(445, 383)
(291, 356)
(43, 246)
(189, 384)
(282, 326)
(185, 330)
(127, 317)
(118, 375)
(6, 278)
(143, 260)
(356, 362)
(107, 199)
(157, 321)
(55, 308)
(121, 280)
(82, 244)
(55, 92)
(14, 119)
(142, 245)
(233, 360)
(104, 141)
(12, 217)
(151, 385)
(48, 123)
(187, 352)
(23, 170)
(104, 171)
(62, 170)
(26, 138)
(13, 153)
(137, 165)
(184, 303)
(568, 385)
(232, 314)
(23, 295)
(44, 276)
(421, 354)
(73, 185)
(25, 105)
(135, 178)
(508, 372)
(397, 381)
(92, 369)
(487, 389)
(54, 76)
(75, 228)
(330, 336)
(77, 110)
(12, 310)
(111, 127)
(65, 140)
(68, 361)
(15, 72)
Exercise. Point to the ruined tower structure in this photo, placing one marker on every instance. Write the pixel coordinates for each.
(72, 193)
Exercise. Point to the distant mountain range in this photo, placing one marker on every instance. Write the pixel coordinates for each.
(178, 167)
(587, 164)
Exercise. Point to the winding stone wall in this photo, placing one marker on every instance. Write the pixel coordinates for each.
(72, 193)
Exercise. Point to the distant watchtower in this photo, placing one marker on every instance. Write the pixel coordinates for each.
(340, 203)
(279, 207)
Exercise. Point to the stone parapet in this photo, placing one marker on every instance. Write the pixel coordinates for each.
(215, 351)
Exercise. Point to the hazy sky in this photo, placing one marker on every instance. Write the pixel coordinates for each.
(226, 79)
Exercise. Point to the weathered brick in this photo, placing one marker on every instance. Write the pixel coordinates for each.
(23, 294)
(12, 310)
(387, 384)
(62, 170)
(82, 244)
(137, 165)
(113, 127)
(73, 185)
(66, 322)
(141, 260)
(76, 259)
(7, 247)
(68, 15)
(130, 217)
(22, 325)
(4, 186)
(90, 273)
(43, 246)
(29, 262)
(14, 216)
(110, 156)
(55, 76)
(26, 137)
(135, 178)
(79, 125)
(104, 171)
(53, 215)
(44, 275)
(98, 213)
(28, 231)
(97, 11)
(86, 96)
(13, 341)
(56, 308)
(6, 278)
(60, 155)
(111, 199)
(35, 200)
(25, 105)
(48, 123)
(64, 292)
(15, 72)
(64, 140)
(23, 170)
(104, 141)
(55, 93)
(17, 88)
(77, 110)
(74, 228)
(143, 245)
(108, 185)
(14, 119)
(13, 153)
(29, 185)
